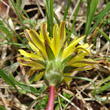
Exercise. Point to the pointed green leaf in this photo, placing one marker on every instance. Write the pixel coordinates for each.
(6, 31)
(100, 17)
(24, 86)
(101, 89)
(82, 78)
(2, 108)
(1, 23)
(7, 78)
(92, 8)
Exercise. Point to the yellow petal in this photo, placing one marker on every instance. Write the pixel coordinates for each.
(44, 33)
(83, 48)
(39, 76)
(67, 80)
(26, 32)
(33, 69)
(79, 64)
(66, 83)
(78, 57)
(62, 32)
(34, 48)
(28, 62)
(37, 41)
(31, 39)
(29, 55)
(68, 50)
(54, 41)
(60, 37)
(36, 37)
(83, 62)
(88, 67)
(52, 45)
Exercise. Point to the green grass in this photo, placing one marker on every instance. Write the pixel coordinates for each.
(17, 9)
(74, 20)
(90, 15)
(2, 108)
(66, 10)
(103, 86)
(13, 82)
(50, 14)
(104, 34)
(100, 17)
(9, 32)
(91, 8)
(7, 79)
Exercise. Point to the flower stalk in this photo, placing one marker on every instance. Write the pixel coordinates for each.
(50, 105)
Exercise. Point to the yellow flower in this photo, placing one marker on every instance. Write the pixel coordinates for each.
(53, 58)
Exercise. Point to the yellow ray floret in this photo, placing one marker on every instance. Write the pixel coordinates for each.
(29, 62)
(44, 33)
(30, 55)
(71, 46)
(39, 76)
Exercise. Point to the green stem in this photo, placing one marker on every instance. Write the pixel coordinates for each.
(50, 105)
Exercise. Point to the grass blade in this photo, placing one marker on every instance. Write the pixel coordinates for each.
(16, 8)
(72, 28)
(24, 86)
(49, 13)
(16, 44)
(105, 80)
(2, 108)
(66, 10)
(57, 19)
(105, 35)
(7, 78)
(100, 89)
(10, 32)
(91, 8)
(1, 23)
(12, 81)
(100, 17)
(6, 31)
(82, 78)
